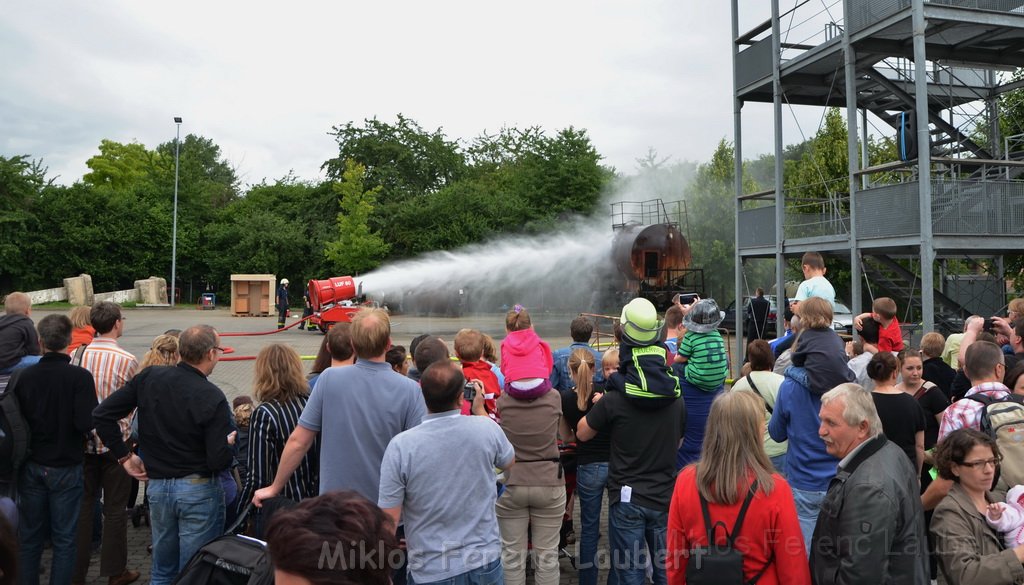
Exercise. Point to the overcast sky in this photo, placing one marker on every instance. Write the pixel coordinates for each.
(267, 81)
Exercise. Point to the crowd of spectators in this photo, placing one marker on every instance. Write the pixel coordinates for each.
(826, 461)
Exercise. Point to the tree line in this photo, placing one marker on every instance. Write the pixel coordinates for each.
(395, 190)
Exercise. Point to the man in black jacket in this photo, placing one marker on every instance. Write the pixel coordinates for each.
(56, 400)
(757, 316)
(871, 526)
(185, 436)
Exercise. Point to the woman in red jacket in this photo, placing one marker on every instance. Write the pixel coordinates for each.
(732, 460)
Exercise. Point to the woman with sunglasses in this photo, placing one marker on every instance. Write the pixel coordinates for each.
(969, 550)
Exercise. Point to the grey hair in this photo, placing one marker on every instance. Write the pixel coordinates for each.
(195, 342)
(858, 406)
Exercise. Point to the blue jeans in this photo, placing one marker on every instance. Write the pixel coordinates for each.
(48, 502)
(185, 514)
(630, 526)
(698, 407)
(24, 362)
(590, 484)
(489, 574)
(808, 504)
(779, 463)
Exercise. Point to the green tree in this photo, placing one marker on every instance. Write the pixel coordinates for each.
(711, 207)
(280, 228)
(21, 182)
(120, 166)
(357, 249)
(548, 177)
(403, 159)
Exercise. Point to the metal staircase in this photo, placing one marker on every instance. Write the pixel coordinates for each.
(905, 287)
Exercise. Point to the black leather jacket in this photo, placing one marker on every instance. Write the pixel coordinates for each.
(871, 528)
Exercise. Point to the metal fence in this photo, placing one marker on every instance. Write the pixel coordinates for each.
(891, 210)
(829, 217)
(977, 207)
(864, 13)
(757, 227)
(966, 208)
(754, 63)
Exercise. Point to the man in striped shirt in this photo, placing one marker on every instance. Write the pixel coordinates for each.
(111, 367)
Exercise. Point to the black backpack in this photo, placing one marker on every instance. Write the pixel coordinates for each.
(14, 432)
(231, 559)
(721, 564)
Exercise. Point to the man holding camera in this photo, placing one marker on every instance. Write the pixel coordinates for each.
(448, 510)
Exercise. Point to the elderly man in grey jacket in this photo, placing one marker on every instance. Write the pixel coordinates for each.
(871, 526)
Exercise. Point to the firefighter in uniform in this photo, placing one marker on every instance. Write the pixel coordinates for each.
(282, 302)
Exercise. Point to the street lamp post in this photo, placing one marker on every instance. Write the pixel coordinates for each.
(174, 230)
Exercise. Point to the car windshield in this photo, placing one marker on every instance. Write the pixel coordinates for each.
(841, 308)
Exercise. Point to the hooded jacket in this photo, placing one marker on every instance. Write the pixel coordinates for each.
(524, 355)
(18, 339)
(645, 376)
(822, 354)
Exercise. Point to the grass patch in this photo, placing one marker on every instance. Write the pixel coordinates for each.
(54, 306)
(58, 305)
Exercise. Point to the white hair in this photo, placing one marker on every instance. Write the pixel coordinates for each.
(858, 406)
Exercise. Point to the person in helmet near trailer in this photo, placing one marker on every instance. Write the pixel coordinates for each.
(282, 302)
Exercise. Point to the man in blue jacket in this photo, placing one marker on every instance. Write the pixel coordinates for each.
(809, 467)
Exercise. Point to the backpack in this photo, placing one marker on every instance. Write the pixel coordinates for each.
(721, 564)
(14, 431)
(231, 559)
(1003, 420)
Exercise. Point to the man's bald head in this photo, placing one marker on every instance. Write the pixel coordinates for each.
(371, 333)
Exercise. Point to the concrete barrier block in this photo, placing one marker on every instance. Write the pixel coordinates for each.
(49, 295)
(151, 291)
(119, 296)
(79, 290)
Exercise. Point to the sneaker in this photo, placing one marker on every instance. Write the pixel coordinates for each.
(124, 578)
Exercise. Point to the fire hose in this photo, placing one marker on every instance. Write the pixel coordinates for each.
(241, 358)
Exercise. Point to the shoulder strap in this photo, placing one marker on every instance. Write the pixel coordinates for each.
(982, 398)
(76, 360)
(743, 513)
(753, 386)
(924, 388)
(12, 380)
(709, 528)
(735, 529)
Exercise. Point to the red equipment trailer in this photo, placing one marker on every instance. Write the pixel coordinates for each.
(334, 300)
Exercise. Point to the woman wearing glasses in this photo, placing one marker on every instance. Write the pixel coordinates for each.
(970, 551)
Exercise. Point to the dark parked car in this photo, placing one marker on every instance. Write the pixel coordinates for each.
(730, 315)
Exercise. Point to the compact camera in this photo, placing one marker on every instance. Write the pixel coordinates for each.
(469, 391)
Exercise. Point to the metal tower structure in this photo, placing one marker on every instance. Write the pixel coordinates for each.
(932, 71)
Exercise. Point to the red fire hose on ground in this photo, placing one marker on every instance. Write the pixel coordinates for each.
(241, 358)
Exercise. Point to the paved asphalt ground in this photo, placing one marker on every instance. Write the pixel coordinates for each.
(235, 377)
